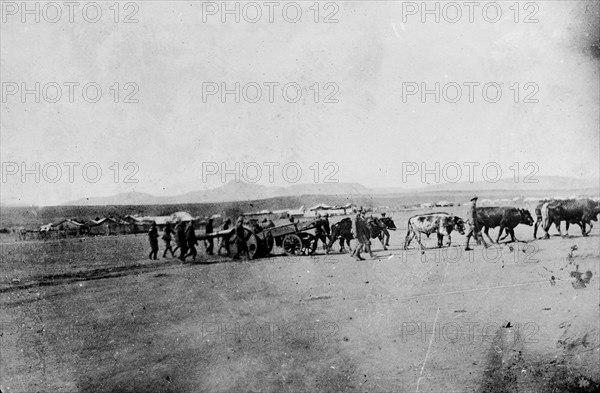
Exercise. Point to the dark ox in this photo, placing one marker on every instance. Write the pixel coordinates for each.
(573, 211)
(342, 230)
(439, 223)
(507, 218)
(389, 223)
(538, 216)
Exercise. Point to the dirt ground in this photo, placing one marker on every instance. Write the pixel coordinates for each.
(97, 316)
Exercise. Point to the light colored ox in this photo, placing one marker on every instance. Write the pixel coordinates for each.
(439, 223)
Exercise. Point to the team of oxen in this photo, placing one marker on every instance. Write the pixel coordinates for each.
(378, 229)
(573, 211)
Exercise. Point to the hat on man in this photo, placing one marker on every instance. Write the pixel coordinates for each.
(474, 198)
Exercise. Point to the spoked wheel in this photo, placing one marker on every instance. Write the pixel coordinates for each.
(292, 245)
(309, 243)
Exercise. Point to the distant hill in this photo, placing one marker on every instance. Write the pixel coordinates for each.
(543, 183)
(232, 191)
(240, 191)
(128, 198)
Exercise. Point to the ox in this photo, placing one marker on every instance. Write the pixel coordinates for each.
(539, 218)
(507, 218)
(573, 211)
(342, 230)
(389, 223)
(439, 223)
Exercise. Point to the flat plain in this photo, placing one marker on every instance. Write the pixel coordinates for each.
(95, 315)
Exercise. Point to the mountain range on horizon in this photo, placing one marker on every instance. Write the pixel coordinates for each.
(241, 191)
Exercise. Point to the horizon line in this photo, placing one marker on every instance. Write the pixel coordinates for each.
(407, 191)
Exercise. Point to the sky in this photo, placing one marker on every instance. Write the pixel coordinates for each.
(176, 138)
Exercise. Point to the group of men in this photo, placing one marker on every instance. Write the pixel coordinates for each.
(186, 239)
(361, 231)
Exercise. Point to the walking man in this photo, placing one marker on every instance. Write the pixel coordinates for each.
(475, 229)
(360, 233)
(209, 230)
(181, 239)
(192, 240)
(240, 239)
(167, 237)
(384, 230)
(368, 228)
(225, 239)
(322, 230)
(153, 237)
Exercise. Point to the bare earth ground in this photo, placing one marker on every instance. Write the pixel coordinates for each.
(97, 316)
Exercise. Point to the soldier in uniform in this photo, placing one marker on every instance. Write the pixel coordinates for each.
(360, 231)
(209, 230)
(225, 240)
(327, 227)
(181, 240)
(192, 240)
(384, 230)
(167, 237)
(475, 229)
(153, 237)
(322, 230)
(240, 239)
(369, 223)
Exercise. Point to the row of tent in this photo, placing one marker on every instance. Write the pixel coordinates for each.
(481, 202)
(115, 226)
(99, 226)
(439, 204)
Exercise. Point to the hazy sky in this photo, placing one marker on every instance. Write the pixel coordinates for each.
(369, 55)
